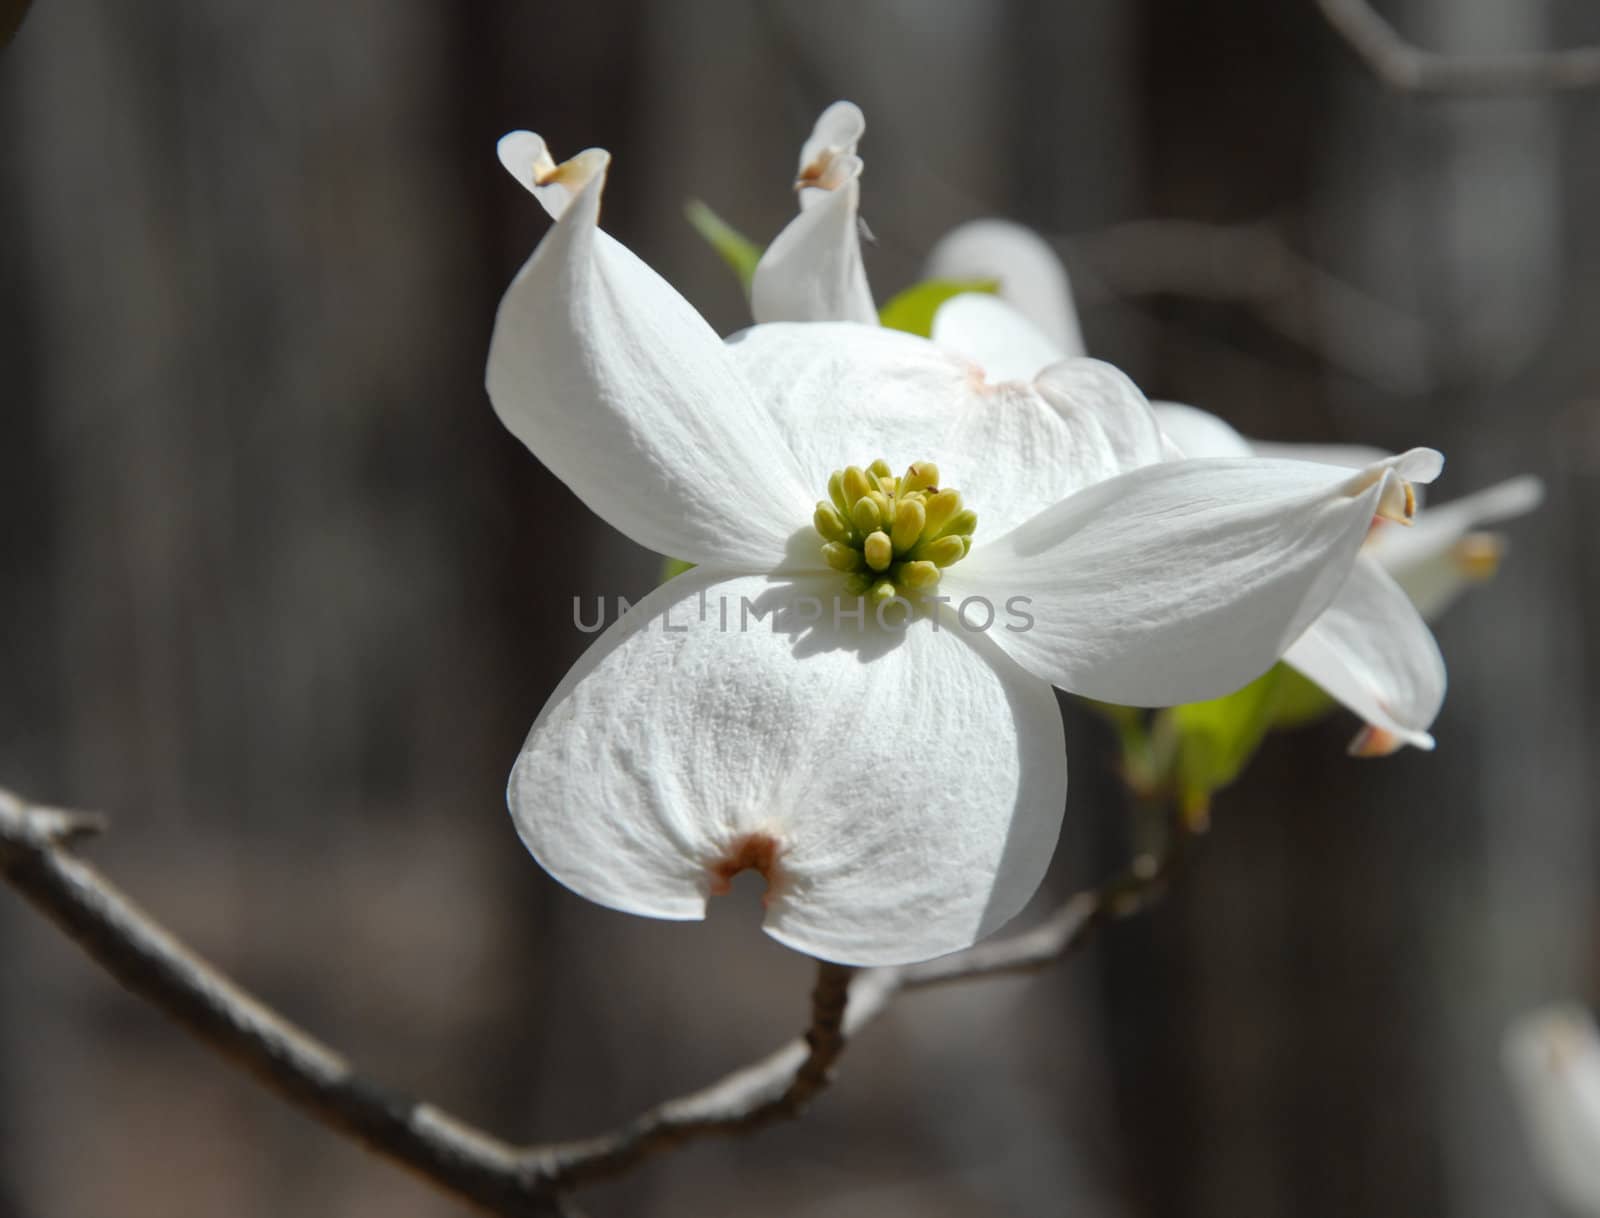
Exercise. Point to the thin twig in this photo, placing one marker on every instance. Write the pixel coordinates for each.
(1403, 65)
(144, 957)
(518, 1182)
(775, 1088)
(1253, 265)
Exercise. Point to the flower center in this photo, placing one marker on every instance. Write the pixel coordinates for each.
(892, 536)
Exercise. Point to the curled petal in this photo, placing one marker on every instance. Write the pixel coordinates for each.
(615, 382)
(1552, 1056)
(1181, 581)
(1031, 277)
(1440, 555)
(527, 159)
(1373, 652)
(900, 789)
(847, 394)
(995, 336)
(812, 271)
(834, 138)
(1353, 456)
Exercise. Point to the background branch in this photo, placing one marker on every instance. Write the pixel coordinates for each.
(518, 1182)
(1252, 265)
(1403, 65)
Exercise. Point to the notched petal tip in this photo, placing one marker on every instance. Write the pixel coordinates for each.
(1375, 741)
(758, 852)
(830, 171)
(1397, 501)
(1418, 464)
(527, 158)
(828, 159)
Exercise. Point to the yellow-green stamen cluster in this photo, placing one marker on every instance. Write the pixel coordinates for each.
(892, 536)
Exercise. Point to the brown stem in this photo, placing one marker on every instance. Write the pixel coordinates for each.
(517, 1182)
(1402, 65)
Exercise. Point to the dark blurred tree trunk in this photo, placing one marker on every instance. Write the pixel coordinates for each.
(1313, 1026)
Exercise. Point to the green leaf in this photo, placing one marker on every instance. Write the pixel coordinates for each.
(737, 250)
(1215, 739)
(1300, 700)
(913, 309)
(671, 568)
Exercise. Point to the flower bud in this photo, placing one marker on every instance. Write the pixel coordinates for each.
(940, 508)
(842, 557)
(866, 515)
(878, 550)
(830, 524)
(909, 519)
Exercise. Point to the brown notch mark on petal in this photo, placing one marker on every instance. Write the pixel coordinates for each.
(756, 852)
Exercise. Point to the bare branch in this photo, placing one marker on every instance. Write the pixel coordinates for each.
(138, 952)
(1066, 930)
(1252, 265)
(517, 1182)
(1402, 65)
(775, 1088)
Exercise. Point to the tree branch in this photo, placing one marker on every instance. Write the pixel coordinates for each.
(517, 1182)
(138, 952)
(1254, 266)
(1404, 66)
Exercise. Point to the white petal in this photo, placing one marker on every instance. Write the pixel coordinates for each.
(812, 271)
(837, 132)
(847, 395)
(1198, 433)
(905, 786)
(1031, 276)
(1182, 581)
(1352, 456)
(528, 160)
(1553, 1059)
(627, 395)
(1372, 651)
(995, 336)
(1435, 559)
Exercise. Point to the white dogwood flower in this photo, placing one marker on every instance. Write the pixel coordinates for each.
(1552, 1057)
(1372, 650)
(820, 700)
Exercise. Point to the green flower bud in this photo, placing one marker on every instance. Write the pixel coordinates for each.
(923, 475)
(855, 484)
(842, 557)
(964, 522)
(841, 502)
(890, 537)
(878, 550)
(909, 518)
(866, 515)
(830, 524)
(940, 508)
(943, 552)
(919, 576)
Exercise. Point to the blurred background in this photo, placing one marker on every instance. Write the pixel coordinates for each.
(283, 598)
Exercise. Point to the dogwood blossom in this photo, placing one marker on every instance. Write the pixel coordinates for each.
(1552, 1057)
(822, 699)
(1371, 650)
